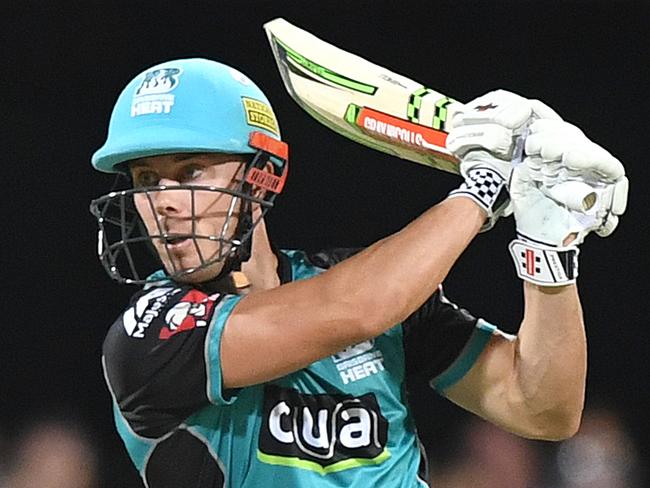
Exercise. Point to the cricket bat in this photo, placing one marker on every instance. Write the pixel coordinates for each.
(376, 107)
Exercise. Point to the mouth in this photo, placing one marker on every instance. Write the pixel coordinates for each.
(176, 241)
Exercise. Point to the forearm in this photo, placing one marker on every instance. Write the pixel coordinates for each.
(551, 357)
(300, 322)
(391, 278)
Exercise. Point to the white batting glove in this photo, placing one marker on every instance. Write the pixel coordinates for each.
(546, 250)
(558, 154)
(484, 136)
(543, 228)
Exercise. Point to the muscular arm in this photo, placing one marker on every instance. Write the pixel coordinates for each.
(275, 332)
(533, 385)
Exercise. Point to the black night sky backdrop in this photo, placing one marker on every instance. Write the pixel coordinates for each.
(65, 63)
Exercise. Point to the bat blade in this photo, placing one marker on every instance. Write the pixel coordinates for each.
(361, 100)
(376, 107)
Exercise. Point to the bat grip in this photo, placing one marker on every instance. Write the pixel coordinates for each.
(575, 195)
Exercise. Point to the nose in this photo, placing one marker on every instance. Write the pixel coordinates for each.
(170, 202)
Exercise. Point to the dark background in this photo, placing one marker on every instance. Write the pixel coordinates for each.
(64, 64)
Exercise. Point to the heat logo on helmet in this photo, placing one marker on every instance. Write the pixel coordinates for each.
(152, 96)
(161, 80)
(325, 433)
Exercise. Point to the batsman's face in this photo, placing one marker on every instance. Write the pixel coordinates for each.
(179, 214)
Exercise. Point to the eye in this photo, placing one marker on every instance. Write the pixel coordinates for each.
(191, 172)
(145, 178)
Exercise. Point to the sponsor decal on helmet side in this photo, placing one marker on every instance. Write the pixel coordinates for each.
(152, 96)
(260, 115)
(325, 433)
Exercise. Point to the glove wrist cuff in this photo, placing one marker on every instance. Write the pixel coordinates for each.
(488, 189)
(543, 264)
(485, 186)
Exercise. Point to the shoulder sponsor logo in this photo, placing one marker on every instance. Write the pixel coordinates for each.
(149, 306)
(152, 96)
(193, 310)
(260, 115)
(359, 361)
(324, 433)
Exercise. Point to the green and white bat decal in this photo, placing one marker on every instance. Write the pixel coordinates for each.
(360, 100)
(377, 107)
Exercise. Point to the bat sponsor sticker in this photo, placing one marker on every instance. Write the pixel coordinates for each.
(384, 126)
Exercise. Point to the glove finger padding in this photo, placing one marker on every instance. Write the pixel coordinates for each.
(592, 157)
(556, 140)
(543, 111)
(490, 122)
(564, 164)
(549, 139)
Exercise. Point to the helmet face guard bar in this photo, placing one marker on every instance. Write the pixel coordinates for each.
(125, 246)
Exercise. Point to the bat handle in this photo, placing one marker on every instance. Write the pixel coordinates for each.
(575, 195)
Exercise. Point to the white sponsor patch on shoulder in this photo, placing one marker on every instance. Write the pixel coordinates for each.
(138, 317)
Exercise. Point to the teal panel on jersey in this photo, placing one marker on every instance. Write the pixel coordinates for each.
(213, 351)
(470, 353)
(138, 447)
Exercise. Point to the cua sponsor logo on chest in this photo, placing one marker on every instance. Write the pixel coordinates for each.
(321, 432)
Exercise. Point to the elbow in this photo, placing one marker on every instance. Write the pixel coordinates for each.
(566, 424)
(558, 424)
(559, 431)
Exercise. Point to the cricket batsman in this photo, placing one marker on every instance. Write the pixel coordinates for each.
(241, 365)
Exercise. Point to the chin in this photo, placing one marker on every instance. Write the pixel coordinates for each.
(199, 276)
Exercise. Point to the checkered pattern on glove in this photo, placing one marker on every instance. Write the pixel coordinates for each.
(485, 186)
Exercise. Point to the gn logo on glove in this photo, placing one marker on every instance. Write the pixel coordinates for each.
(322, 433)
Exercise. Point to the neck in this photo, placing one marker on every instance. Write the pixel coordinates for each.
(261, 269)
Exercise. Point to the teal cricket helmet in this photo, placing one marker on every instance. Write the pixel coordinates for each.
(185, 105)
